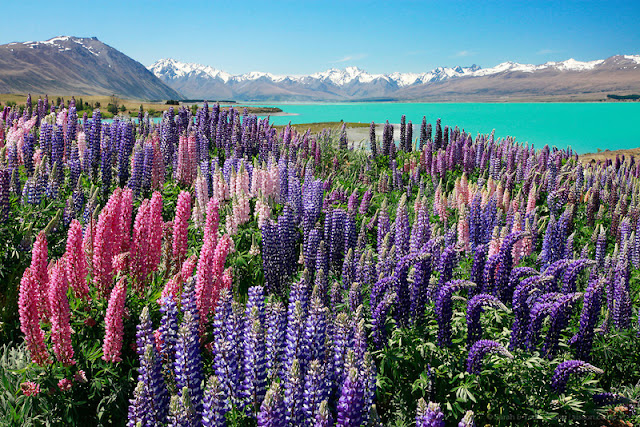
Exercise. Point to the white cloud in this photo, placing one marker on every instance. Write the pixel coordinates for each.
(348, 58)
(464, 53)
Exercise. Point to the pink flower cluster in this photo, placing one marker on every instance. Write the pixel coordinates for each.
(76, 262)
(29, 388)
(187, 162)
(146, 246)
(30, 318)
(114, 330)
(60, 314)
(180, 227)
(210, 279)
(240, 208)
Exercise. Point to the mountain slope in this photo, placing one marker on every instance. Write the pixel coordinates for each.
(504, 81)
(75, 65)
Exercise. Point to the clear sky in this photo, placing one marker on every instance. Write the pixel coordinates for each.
(305, 36)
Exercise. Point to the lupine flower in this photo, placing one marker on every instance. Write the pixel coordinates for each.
(351, 402)
(60, 314)
(213, 412)
(272, 410)
(114, 331)
(444, 311)
(29, 388)
(559, 316)
(294, 394)
(180, 225)
(565, 369)
(468, 420)
(474, 309)
(429, 415)
(478, 351)
(76, 264)
(40, 275)
(188, 363)
(30, 318)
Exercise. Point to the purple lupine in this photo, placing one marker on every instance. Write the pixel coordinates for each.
(337, 238)
(294, 394)
(272, 410)
(402, 228)
(138, 411)
(315, 329)
(254, 381)
(601, 247)
(213, 406)
(570, 367)
(384, 226)
(477, 268)
(444, 311)
(474, 308)
(540, 309)
(168, 330)
(592, 303)
(294, 336)
(188, 363)
(521, 309)
(379, 318)
(446, 264)
(419, 293)
(366, 202)
(324, 417)
(571, 274)
(5, 182)
(429, 415)
(468, 420)
(420, 232)
(479, 350)
(342, 338)
(316, 390)
(275, 318)
(225, 361)
(559, 318)
(505, 263)
(351, 402)
(621, 313)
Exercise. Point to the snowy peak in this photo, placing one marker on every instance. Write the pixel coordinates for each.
(172, 69)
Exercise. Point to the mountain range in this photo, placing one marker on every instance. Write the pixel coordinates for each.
(619, 73)
(67, 65)
(76, 66)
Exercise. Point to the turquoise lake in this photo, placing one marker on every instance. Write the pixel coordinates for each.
(586, 127)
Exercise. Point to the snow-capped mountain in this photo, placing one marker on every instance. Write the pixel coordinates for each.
(76, 66)
(351, 83)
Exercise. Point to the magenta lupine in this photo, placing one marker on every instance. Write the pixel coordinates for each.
(180, 227)
(114, 328)
(76, 264)
(30, 318)
(60, 314)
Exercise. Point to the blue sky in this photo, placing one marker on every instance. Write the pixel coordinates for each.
(305, 36)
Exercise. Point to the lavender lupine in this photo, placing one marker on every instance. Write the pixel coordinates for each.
(294, 394)
(254, 381)
(474, 308)
(188, 363)
(479, 350)
(225, 362)
(316, 390)
(276, 323)
(568, 368)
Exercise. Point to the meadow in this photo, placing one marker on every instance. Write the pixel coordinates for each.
(212, 270)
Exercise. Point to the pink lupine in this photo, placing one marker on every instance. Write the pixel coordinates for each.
(60, 314)
(87, 244)
(494, 244)
(201, 200)
(105, 243)
(139, 244)
(155, 231)
(126, 209)
(65, 384)
(30, 318)
(76, 263)
(531, 200)
(180, 227)
(205, 279)
(213, 219)
(463, 228)
(220, 187)
(39, 271)
(157, 174)
(29, 388)
(114, 329)
(120, 264)
(262, 211)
